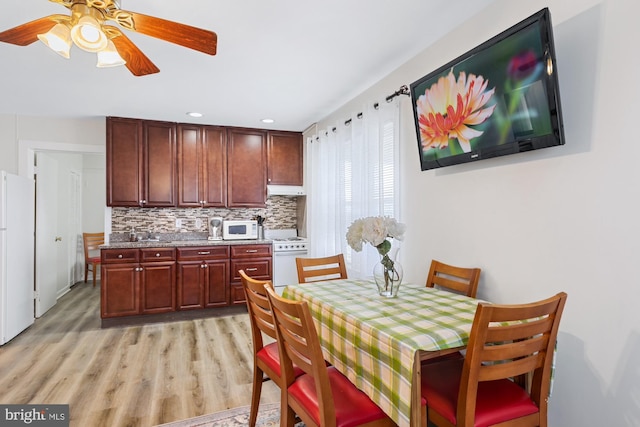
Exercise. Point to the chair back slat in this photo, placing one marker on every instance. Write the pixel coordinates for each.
(324, 268)
(457, 279)
(92, 243)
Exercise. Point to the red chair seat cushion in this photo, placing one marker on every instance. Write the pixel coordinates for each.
(353, 407)
(271, 357)
(497, 401)
(94, 260)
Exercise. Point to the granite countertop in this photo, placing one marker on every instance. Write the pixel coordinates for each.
(181, 243)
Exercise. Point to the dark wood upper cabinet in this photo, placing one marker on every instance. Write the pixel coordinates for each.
(246, 168)
(160, 164)
(141, 166)
(202, 166)
(284, 153)
(124, 161)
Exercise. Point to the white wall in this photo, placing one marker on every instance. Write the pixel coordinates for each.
(94, 189)
(558, 219)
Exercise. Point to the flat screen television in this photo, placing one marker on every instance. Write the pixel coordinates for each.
(499, 98)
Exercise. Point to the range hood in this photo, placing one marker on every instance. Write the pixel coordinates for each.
(285, 190)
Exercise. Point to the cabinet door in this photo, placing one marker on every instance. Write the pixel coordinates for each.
(214, 166)
(217, 284)
(119, 289)
(189, 166)
(190, 282)
(160, 164)
(157, 287)
(124, 162)
(246, 168)
(284, 158)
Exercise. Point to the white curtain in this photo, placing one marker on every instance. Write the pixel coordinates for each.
(352, 173)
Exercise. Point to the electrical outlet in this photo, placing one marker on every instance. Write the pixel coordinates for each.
(198, 223)
(178, 223)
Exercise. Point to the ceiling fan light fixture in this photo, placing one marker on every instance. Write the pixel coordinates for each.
(58, 39)
(109, 57)
(87, 34)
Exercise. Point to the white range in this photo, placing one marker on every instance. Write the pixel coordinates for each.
(287, 246)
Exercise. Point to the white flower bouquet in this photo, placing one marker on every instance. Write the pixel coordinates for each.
(374, 230)
(377, 230)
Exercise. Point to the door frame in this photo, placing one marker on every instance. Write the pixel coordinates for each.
(26, 163)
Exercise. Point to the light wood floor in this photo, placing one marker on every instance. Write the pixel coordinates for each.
(141, 375)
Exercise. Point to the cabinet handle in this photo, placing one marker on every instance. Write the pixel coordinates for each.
(139, 269)
(158, 254)
(204, 253)
(250, 251)
(120, 256)
(251, 269)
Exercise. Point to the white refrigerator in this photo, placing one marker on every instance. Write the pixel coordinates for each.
(17, 233)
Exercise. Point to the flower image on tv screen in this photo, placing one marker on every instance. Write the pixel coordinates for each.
(500, 98)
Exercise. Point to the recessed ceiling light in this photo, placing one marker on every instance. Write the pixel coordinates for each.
(267, 121)
(194, 114)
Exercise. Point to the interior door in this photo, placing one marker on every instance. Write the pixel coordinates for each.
(48, 242)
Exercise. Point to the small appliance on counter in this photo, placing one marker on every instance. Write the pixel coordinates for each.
(240, 229)
(215, 228)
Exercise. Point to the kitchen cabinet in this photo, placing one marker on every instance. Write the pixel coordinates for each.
(255, 260)
(203, 277)
(246, 168)
(141, 163)
(137, 281)
(157, 286)
(284, 158)
(202, 166)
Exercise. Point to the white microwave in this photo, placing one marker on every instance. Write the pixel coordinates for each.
(245, 229)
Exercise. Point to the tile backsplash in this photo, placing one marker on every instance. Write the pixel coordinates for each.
(281, 212)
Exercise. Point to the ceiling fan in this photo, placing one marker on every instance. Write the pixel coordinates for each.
(88, 27)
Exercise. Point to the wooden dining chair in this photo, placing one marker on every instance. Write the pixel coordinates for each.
(506, 342)
(324, 268)
(456, 279)
(266, 360)
(322, 396)
(91, 243)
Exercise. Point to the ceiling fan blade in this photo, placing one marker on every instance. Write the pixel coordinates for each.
(184, 35)
(25, 34)
(137, 62)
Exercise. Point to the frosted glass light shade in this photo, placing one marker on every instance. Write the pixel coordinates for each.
(109, 57)
(58, 39)
(88, 35)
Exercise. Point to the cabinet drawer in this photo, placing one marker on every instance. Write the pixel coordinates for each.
(256, 268)
(158, 254)
(110, 256)
(250, 251)
(203, 253)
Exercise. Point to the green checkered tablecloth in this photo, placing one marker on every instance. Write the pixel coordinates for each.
(373, 340)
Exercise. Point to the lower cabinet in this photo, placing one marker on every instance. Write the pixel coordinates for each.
(203, 277)
(137, 281)
(255, 260)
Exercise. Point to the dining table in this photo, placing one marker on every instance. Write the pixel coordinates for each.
(379, 342)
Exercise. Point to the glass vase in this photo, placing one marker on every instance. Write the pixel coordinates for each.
(388, 275)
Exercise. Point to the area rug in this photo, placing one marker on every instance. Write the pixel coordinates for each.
(268, 416)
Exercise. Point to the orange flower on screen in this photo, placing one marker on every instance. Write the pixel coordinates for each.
(449, 107)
